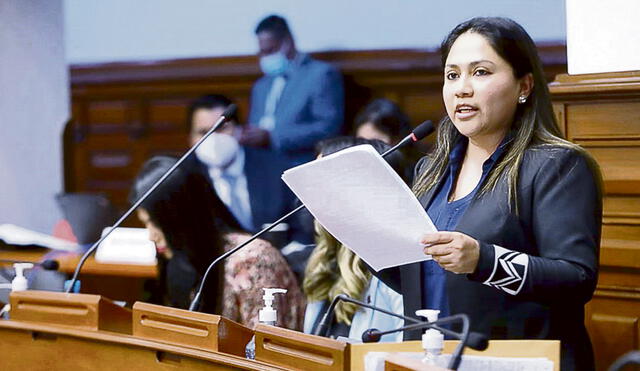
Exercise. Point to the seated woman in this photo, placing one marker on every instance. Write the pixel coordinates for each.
(333, 269)
(191, 227)
(382, 119)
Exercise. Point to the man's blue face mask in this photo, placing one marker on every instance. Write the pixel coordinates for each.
(274, 64)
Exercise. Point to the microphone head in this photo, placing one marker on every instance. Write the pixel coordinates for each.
(371, 335)
(477, 341)
(50, 265)
(229, 111)
(422, 131)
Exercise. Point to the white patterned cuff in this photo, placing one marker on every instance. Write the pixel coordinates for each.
(509, 270)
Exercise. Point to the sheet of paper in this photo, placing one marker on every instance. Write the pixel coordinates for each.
(375, 361)
(13, 235)
(359, 199)
(127, 245)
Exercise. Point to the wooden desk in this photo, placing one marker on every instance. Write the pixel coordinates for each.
(58, 331)
(44, 347)
(118, 281)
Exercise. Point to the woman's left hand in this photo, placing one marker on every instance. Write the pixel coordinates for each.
(453, 251)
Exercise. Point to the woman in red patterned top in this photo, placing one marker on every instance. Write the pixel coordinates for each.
(191, 227)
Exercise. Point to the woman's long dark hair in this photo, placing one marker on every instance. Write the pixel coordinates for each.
(534, 123)
(191, 216)
(386, 117)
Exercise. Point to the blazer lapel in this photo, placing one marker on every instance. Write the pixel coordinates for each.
(255, 189)
(426, 198)
(293, 90)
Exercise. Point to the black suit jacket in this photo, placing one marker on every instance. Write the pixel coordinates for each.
(538, 266)
(269, 196)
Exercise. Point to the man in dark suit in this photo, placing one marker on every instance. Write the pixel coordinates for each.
(246, 179)
(299, 100)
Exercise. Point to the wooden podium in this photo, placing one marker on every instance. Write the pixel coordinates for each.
(59, 331)
(601, 112)
(294, 350)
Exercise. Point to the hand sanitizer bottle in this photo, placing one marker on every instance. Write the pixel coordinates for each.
(19, 283)
(267, 316)
(432, 340)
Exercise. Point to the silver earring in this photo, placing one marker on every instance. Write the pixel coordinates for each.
(522, 99)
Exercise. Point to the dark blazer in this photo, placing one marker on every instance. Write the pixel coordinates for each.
(311, 108)
(269, 196)
(537, 267)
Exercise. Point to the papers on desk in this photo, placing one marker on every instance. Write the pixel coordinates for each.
(127, 245)
(361, 201)
(375, 361)
(14, 235)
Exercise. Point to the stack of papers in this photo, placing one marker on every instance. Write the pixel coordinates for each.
(127, 246)
(375, 361)
(358, 197)
(14, 235)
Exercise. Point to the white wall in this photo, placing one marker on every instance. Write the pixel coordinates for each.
(126, 30)
(603, 36)
(35, 34)
(34, 104)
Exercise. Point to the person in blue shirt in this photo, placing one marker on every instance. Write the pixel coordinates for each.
(518, 208)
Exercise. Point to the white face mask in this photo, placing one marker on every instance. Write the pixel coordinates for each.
(274, 64)
(218, 150)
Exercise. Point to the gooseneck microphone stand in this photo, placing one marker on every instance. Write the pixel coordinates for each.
(473, 340)
(228, 112)
(456, 356)
(417, 134)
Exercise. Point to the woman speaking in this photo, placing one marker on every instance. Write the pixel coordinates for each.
(518, 208)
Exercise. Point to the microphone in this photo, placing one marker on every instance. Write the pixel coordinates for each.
(327, 318)
(228, 112)
(419, 133)
(473, 340)
(48, 264)
(630, 358)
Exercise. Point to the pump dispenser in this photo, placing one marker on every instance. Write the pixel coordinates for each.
(20, 282)
(267, 316)
(432, 339)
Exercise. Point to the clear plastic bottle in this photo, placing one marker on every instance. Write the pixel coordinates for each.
(266, 316)
(432, 340)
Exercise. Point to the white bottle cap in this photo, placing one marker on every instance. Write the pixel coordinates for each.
(268, 314)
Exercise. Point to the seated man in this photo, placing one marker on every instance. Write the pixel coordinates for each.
(246, 179)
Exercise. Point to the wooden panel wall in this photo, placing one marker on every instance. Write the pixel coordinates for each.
(601, 112)
(123, 113)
